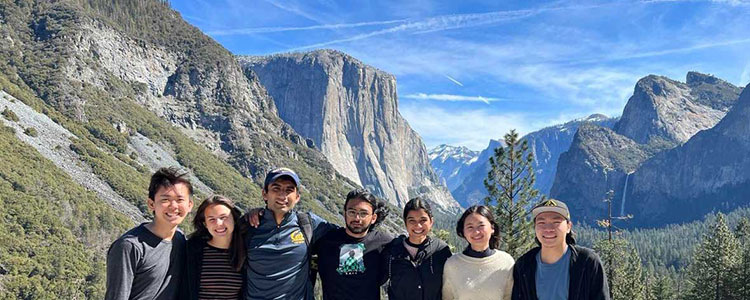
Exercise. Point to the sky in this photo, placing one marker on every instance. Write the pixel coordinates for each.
(470, 71)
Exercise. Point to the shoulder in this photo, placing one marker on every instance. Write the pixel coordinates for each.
(125, 245)
(528, 257)
(586, 254)
(503, 256)
(454, 261)
(382, 237)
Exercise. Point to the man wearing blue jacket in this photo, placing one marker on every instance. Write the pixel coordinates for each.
(278, 252)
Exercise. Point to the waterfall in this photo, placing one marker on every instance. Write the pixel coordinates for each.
(624, 194)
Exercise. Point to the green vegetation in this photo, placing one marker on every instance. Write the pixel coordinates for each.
(510, 190)
(10, 115)
(31, 131)
(668, 254)
(53, 232)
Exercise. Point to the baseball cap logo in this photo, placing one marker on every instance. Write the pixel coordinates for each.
(550, 203)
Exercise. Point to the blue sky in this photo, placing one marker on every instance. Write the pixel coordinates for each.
(469, 71)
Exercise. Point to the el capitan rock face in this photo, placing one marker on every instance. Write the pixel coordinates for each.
(350, 111)
(662, 114)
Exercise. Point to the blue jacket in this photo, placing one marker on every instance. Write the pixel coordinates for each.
(278, 260)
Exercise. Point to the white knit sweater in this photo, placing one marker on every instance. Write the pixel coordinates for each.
(471, 278)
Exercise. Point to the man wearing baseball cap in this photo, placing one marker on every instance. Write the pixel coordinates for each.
(278, 250)
(558, 268)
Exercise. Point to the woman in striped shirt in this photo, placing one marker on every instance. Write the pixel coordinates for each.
(216, 252)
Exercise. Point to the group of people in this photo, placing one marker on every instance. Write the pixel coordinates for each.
(277, 252)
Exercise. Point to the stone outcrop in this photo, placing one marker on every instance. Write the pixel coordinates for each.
(709, 172)
(350, 111)
(662, 114)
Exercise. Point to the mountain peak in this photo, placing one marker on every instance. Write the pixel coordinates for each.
(695, 78)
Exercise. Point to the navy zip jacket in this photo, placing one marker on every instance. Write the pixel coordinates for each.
(420, 278)
(278, 260)
(588, 280)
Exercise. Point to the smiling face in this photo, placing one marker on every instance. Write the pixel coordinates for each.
(418, 225)
(170, 205)
(219, 222)
(478, 231)
(358, 216)
(551, 228)
(281, 196)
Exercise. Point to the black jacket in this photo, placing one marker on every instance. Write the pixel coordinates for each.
(588, 280)
(192, 276)
(421, 279)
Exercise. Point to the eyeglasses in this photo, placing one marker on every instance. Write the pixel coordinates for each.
(360, 214)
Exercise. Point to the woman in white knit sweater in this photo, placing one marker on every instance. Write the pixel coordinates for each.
(481, 271)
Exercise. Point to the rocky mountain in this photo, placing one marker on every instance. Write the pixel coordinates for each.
(709, 172)
(452, 163)
(662, 114)
(350, 111)
(545, 144)
(96, 95)
(667, 112)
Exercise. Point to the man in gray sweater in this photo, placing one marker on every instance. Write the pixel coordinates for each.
(146, 262)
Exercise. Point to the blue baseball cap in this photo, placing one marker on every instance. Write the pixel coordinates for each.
(278, 173)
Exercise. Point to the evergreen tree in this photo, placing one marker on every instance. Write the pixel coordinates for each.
(623, 265)
(714, 261)
(510, 189)
(742, 274)
(662, 288)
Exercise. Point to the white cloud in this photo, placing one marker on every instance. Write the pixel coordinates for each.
(470, 128)
(448, 97)
(256, 30)
(454, 80)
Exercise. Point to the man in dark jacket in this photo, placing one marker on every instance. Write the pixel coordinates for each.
(558, 269)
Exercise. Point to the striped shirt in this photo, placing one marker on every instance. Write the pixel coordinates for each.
(218, 279)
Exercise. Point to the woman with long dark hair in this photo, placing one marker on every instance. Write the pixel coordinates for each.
(480, 271)
(216, 251)
(415, 261)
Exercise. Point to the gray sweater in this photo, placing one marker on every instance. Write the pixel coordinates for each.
(141, 265)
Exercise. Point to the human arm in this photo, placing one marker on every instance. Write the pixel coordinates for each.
(508, 290)
(122, 259)
(448, 290)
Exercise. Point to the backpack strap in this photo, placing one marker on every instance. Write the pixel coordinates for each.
(304, 220)
(305, 223)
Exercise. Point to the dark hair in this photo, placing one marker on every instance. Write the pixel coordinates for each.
(236, 246)
(417, 204)
(378, 206)
(483, 211)
(166, 178)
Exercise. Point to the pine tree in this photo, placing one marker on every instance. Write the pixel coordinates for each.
(510, 189)
(623, 263)
(662, 288)
(742, 274)
(714, 261)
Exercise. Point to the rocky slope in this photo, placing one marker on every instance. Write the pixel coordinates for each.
(452, 164)
(709, 172)
(661, 114)
(100, 93)
(350, 111)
